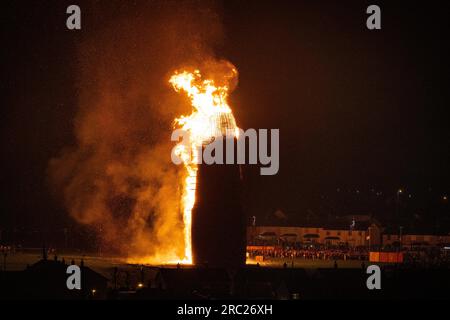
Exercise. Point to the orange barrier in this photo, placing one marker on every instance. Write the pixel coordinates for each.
(374, 257)
(388, 257)
(259, 258)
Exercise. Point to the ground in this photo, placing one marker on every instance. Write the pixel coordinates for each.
(302, 263)
(104, 264)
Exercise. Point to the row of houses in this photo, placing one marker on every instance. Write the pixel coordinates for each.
(356, 233)
(416, 239)
(317, 235)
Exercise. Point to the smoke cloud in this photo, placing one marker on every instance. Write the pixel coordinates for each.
(119, 177)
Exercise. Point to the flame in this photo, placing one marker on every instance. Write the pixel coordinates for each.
(211, 116)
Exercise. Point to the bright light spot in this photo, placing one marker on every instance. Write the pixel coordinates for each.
(211, 116)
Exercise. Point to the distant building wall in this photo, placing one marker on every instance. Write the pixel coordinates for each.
(416, 239)
(353, 238)
(254, 232)
(319, 235)
(372, 237)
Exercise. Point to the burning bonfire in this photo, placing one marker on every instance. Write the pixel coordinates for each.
(211, 116)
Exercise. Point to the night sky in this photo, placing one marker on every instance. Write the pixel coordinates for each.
(356, 109)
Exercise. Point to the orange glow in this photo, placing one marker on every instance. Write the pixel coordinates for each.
(211, 116)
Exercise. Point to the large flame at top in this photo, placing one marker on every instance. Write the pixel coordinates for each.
(211, 116)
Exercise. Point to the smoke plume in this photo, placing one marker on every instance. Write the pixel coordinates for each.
(118, 177)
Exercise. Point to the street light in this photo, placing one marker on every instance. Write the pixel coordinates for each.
(399, 191)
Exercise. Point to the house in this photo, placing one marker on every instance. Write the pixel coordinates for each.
(46, 279)
(348, 230)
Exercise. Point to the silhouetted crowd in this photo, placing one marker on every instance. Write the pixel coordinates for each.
(5, 250)
(313, 253)
(424, 257)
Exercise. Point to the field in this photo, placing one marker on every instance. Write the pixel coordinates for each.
(19, 261)
(308, 264)
(104, 264)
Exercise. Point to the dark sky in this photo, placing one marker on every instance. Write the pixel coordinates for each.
(355, 108)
